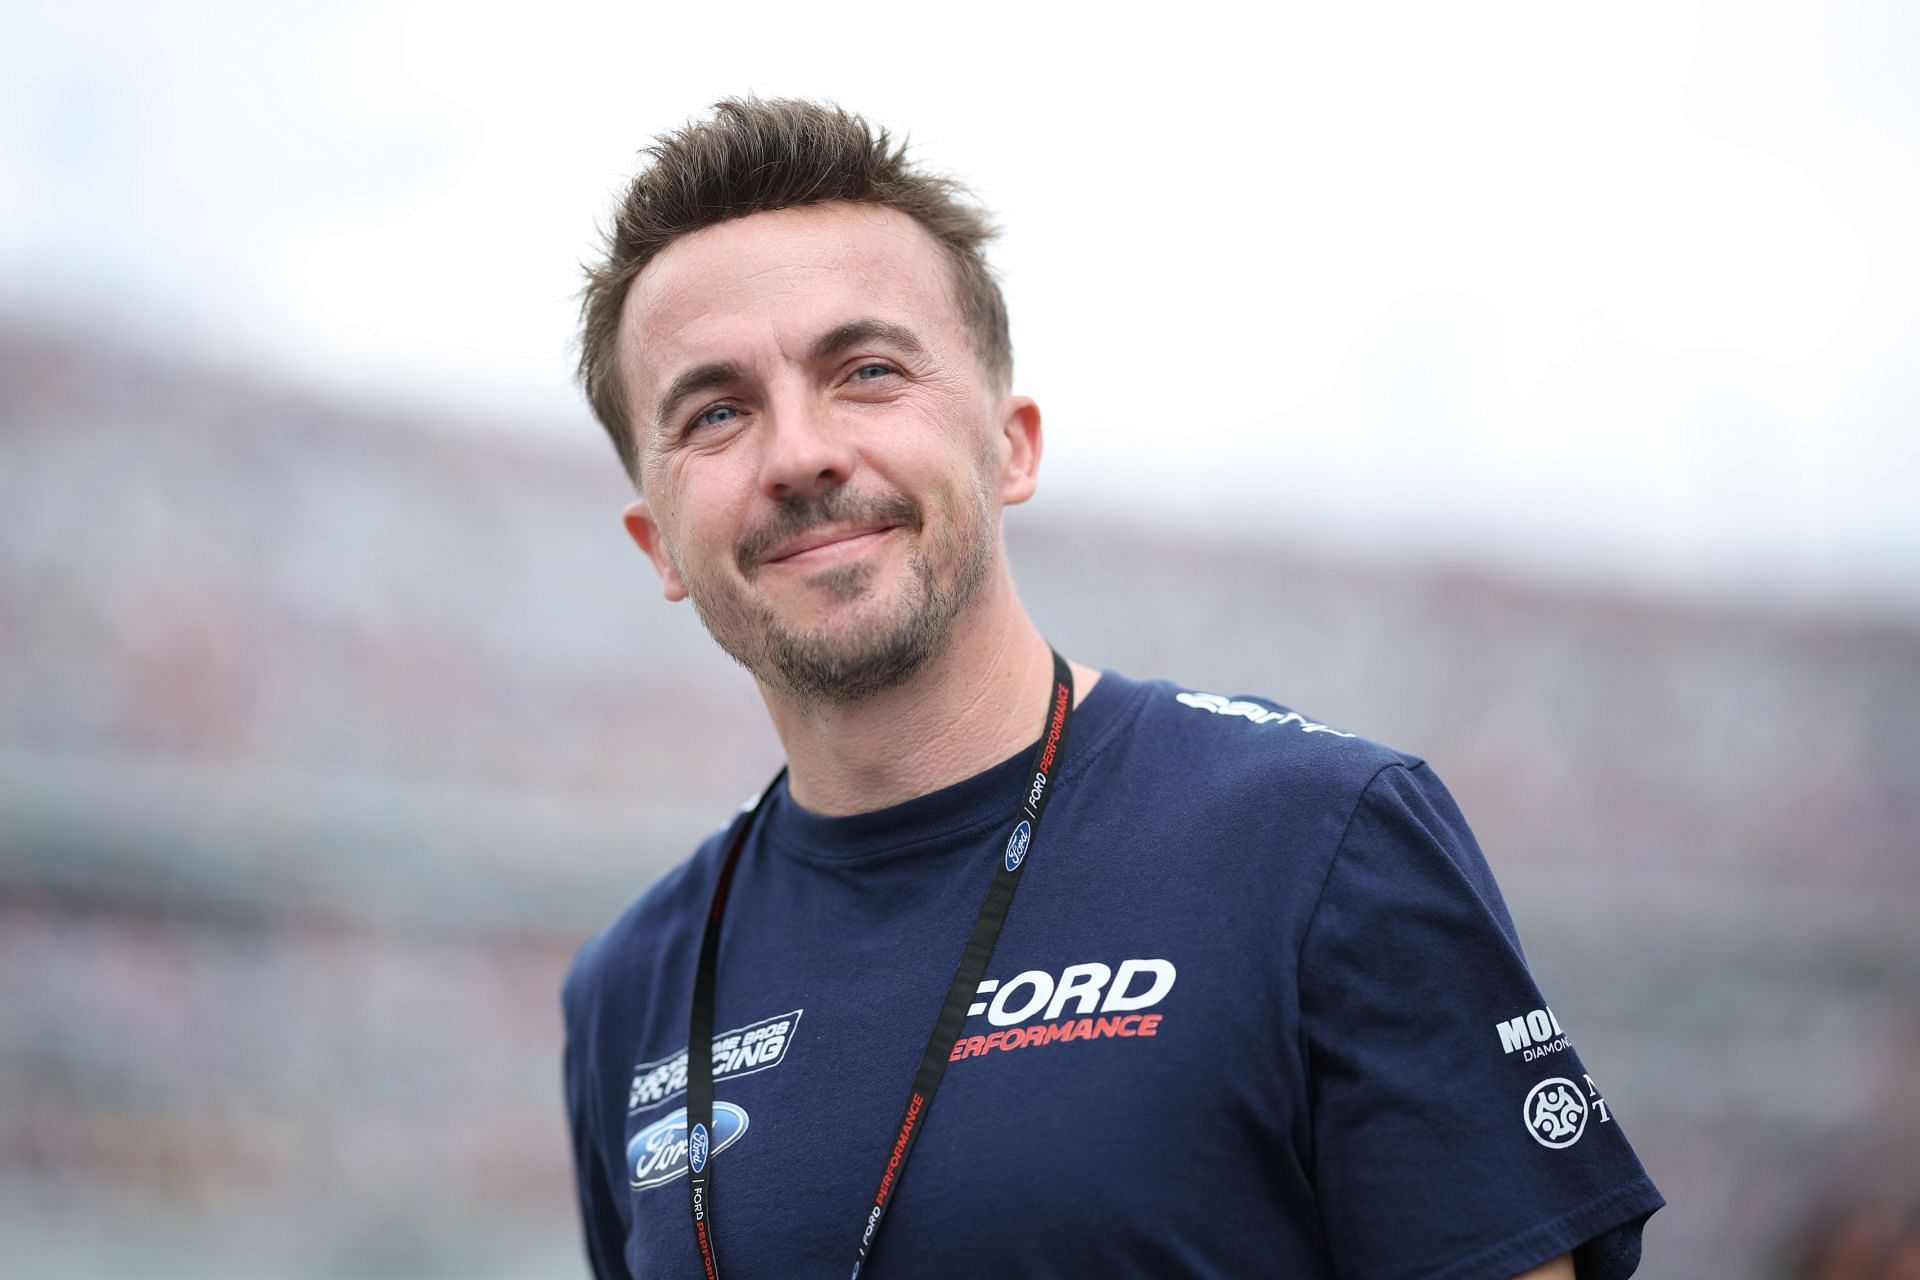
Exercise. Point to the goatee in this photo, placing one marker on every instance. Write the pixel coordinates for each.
(878, 653)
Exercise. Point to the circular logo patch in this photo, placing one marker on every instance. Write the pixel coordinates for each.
(1555, 1113)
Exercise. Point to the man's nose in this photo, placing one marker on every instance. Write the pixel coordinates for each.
(805, 453)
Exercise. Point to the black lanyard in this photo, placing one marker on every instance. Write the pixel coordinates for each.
(1034, 791)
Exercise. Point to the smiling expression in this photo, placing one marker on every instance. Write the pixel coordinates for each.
(823, 458)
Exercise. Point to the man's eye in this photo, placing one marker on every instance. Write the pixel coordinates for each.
(713, 417)
(870, 372)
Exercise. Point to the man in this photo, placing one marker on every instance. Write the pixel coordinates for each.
(1257, 1008)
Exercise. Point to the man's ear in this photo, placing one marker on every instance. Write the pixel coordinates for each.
(646, 535)
(1021, 440)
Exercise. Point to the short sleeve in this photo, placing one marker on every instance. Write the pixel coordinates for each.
(1456, 1133)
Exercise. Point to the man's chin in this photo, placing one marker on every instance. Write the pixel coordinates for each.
(842, 605)
(812, 597)
(844, 632)
(849, 660)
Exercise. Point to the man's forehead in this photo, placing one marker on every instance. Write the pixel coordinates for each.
(780, 274)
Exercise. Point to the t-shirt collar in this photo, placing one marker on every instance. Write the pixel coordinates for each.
(946, 817)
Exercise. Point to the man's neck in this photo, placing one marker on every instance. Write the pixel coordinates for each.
(973, 704)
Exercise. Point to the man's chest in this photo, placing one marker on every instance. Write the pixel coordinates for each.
(1113, 1090)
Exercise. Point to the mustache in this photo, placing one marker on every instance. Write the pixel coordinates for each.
(797, 516)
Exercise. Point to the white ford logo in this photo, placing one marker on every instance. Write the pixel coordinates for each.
(1017, 845)
(658, 1153)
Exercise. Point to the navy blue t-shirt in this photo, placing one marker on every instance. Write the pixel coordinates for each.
(1258, 1010)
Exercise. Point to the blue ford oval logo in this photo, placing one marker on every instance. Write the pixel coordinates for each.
(697, 1148)
(663, 1150)
(1017, 845)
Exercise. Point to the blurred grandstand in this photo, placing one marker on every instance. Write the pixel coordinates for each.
(326, 734)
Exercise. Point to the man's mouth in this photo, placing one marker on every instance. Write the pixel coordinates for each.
(831, 543)
(833, 527)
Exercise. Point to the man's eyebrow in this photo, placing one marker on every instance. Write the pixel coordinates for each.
(705, 377)
(702, 377)
(854, 332)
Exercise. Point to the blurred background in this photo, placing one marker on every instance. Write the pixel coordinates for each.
(1534, 389)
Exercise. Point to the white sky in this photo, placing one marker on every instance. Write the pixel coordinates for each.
(1629, 290)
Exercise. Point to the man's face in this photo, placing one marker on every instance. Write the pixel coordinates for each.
(823, 459)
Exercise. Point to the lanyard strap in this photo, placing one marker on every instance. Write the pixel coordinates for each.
(1035, 790)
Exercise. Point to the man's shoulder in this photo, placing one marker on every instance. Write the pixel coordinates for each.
(665, 916)
(1247, 740)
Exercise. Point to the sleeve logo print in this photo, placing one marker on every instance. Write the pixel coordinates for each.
(1556, 1114)
(1253, 711)
(1532, 1035)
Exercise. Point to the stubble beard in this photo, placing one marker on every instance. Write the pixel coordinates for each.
(845, 665)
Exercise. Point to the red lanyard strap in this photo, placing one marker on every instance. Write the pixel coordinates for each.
(1035, 789)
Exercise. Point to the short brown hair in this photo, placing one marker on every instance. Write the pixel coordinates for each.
(756, 156)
